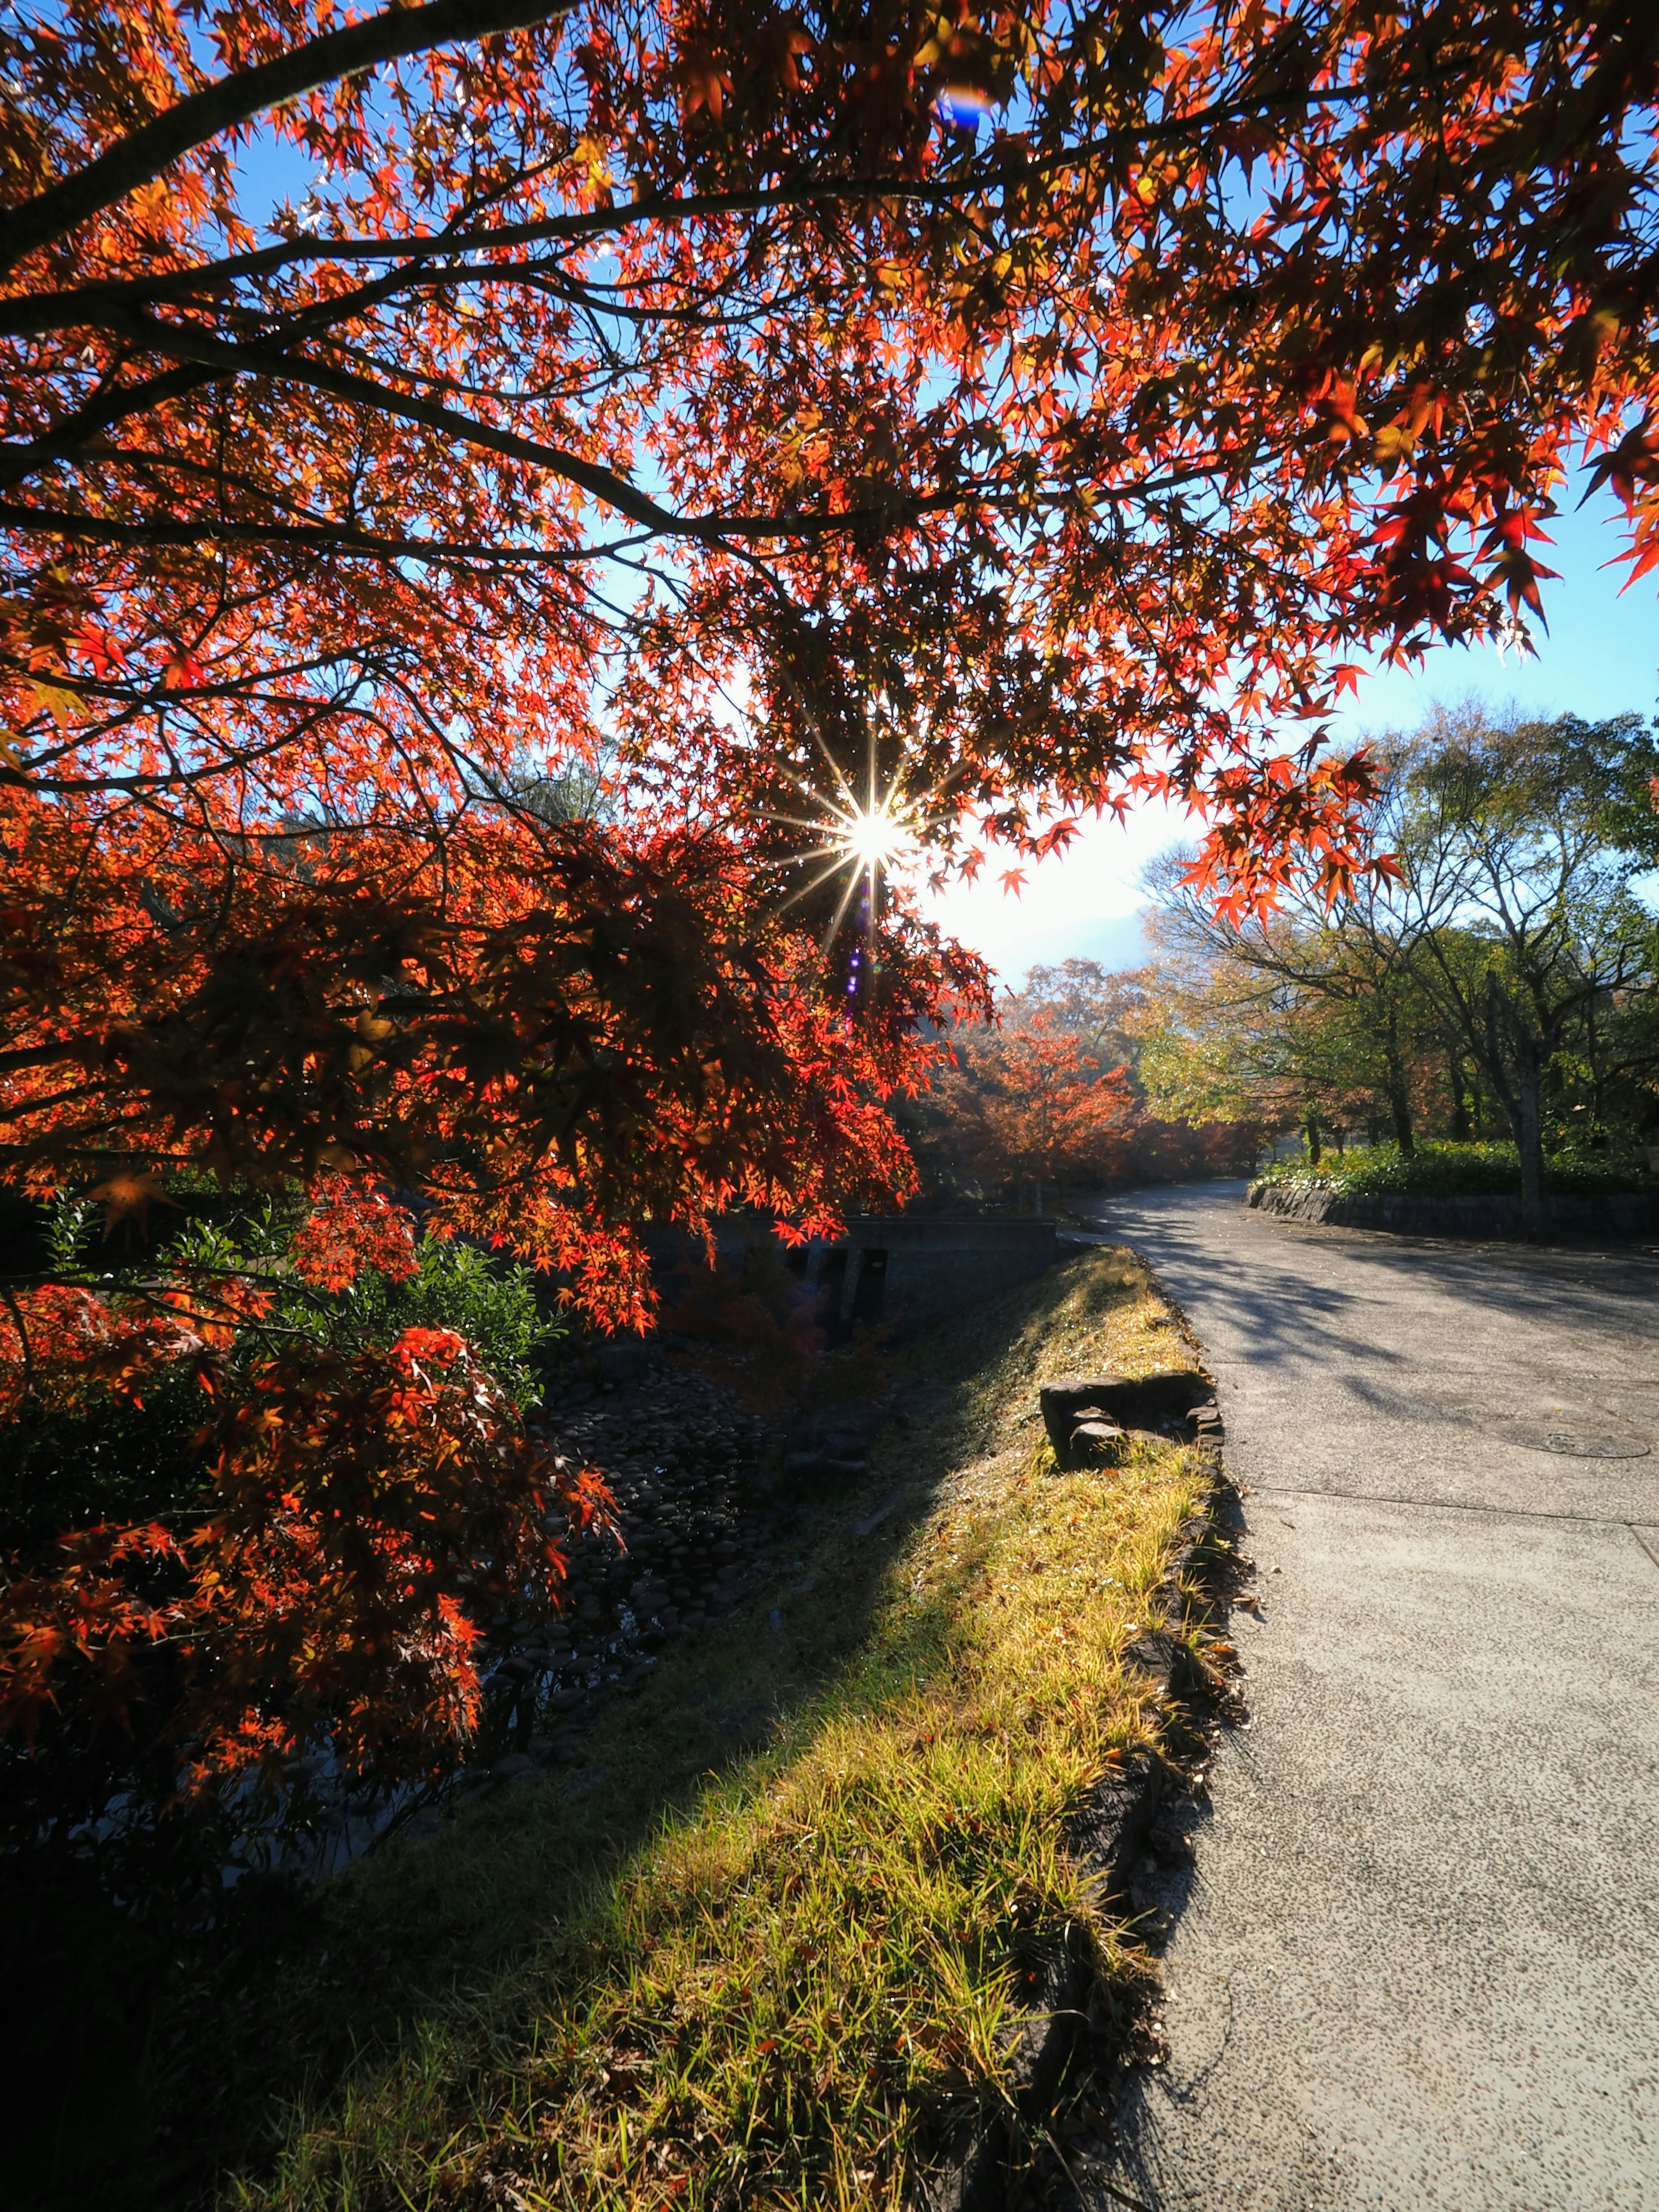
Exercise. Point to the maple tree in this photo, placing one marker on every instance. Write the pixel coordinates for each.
(1057, 1093)
(545, 1083)
(1004, 409)
(1033, 1104)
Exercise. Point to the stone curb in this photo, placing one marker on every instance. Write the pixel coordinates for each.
(1634, 1214)
(1105, 1837)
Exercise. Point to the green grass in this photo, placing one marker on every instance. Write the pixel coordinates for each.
(1453, 1170)
(703, 1975)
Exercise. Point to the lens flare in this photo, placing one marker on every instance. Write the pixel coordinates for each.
(960, 105)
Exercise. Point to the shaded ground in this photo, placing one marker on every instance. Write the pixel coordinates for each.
(708, 1661)
(1415, 1960)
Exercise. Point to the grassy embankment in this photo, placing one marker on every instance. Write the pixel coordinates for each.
(770, 1976)
(1458, 1170)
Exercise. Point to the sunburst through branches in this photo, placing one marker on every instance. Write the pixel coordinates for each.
(861, 837)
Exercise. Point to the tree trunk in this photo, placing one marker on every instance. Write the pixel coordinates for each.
(1460, 1128)
(1521, 1101)
(1400, 1101)
(1311, 1127)
(1399, 1113)
(1530, 1137)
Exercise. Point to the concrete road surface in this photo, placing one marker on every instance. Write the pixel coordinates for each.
(1415, 1961)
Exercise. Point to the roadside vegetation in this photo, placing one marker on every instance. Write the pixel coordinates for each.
(1433, 1169)
(703, 1970)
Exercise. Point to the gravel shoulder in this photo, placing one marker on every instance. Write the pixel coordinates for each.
(1416, 1961)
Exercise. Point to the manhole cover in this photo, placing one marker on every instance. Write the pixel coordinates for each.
(1570, 1443)
(1562, 1421)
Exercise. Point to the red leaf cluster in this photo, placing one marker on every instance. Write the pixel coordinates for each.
(350, 1228)
(320, 1596)
(60, 1340)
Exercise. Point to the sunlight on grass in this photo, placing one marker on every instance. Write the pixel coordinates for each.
(797, 1980)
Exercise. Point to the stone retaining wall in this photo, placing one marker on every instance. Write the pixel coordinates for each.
(911, 1269)
(1632, 1214)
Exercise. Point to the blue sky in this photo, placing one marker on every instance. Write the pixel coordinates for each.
(1598, 657)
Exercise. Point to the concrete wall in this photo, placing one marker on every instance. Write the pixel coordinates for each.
(908, 1270)
(1634, 1215)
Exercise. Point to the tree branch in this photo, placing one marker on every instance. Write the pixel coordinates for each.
(183, 343)
(20, 460)
(31, 314)
(314, 537)
(155, 145)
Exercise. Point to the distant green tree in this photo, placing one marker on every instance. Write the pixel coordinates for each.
(1321, 998)
(1505, 953)
(1520, 845)
(1234, 1040)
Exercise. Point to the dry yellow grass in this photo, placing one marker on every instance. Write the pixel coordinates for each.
(772, 1999)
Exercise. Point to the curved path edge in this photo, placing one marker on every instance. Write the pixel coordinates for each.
(1416, 1960)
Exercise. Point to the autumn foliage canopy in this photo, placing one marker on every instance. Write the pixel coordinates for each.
(1008, 410)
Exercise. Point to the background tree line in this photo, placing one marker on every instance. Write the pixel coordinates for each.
(1496, 981)
(1053, 1097)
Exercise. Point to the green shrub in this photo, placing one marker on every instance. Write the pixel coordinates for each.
(1455, 1170)
(454, 1286)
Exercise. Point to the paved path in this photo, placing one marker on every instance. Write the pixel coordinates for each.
(1416, 1961)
